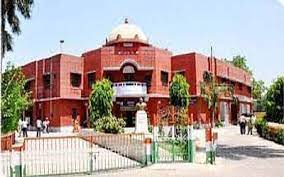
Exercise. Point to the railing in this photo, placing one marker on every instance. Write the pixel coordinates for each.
(6, 160)
(128, 89)
(82, 154)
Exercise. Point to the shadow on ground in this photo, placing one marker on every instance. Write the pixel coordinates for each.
(241, 152)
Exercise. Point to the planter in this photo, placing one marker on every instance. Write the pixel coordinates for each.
(7, 140)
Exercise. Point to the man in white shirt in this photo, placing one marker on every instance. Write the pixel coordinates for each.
(25, 128)
(243, 124)
(38, 127)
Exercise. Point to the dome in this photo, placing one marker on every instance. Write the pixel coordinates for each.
(127, 32)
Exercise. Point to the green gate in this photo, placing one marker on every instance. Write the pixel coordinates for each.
(172, 149)
(172, 138)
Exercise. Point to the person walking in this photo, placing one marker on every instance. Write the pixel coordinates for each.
(19, 129)
(243, 124)
(47, 122)
(25, 128)
(251, 124)
(38, 127)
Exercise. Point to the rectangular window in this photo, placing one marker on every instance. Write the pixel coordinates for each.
(75, 79)
(46, 81)
(74, 113)
(28, 85)
(240, 86)
(91, 79)
(147, 79)
(164, 78)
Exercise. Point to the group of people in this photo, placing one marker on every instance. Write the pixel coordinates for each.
(246, 120)
(40, 126)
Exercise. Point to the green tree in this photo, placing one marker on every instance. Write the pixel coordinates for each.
(241, 62)
(258, 89)
(275, 101)
(14, 98)
(100, 102)
(179, 95)
(9, 13)
(258, 94)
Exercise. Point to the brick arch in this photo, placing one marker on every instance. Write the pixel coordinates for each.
(130, 62)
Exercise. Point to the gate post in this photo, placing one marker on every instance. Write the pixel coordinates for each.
(190, 143)
(155, 140)
(148, 142)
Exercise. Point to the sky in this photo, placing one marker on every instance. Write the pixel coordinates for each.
(251, 28)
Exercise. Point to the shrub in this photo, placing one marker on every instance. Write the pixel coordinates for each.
(280, 137)
(110, 124)
(219, 124)
(261, 127)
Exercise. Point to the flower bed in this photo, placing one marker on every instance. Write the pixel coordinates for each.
(270, 131)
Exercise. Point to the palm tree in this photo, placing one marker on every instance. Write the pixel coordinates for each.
(9, 13)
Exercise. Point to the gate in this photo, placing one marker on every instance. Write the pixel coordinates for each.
(172, 143)
(82, 154)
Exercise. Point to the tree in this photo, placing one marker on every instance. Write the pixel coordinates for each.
(258, 94)
(241, 62)
(258, 89)
(179, 95)
(100, 102)
(275, 101)
(14, 98)
(9, 13)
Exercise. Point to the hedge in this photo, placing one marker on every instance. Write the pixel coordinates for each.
(270, 131)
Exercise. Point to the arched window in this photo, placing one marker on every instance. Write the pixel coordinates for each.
(128, 69)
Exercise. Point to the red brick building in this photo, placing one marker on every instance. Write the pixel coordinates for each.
(61, 84)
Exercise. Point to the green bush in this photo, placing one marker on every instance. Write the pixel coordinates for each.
(110, 124)
(261, 127)
(280, 137)
(218, 124)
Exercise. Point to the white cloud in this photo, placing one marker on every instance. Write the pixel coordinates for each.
(281, 2)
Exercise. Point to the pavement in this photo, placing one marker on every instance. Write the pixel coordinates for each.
(237, 156)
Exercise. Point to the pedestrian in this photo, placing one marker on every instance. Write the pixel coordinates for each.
(38, 127)
(19, 129)
(25, 128)
(250, 124)
(243, 124)
(47, 122)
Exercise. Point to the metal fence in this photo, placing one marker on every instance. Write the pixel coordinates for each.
(53, 156)
(5, 164)
(172, 150)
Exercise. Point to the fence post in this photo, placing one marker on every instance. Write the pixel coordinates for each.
(91, 154)
(155, 144)
(17, 163)
(148, 142)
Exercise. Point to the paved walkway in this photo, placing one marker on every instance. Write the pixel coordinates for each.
(238, 156)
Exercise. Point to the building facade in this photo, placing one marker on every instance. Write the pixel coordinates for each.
(61, 84)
